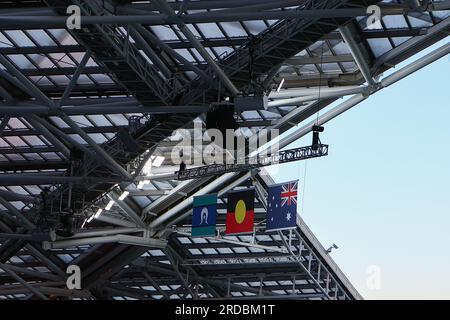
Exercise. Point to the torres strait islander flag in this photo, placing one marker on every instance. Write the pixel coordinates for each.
(240, 212)
(204, 213)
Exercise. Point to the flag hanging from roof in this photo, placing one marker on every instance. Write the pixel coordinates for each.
(282, 206)
(204, 215)
(240, 212)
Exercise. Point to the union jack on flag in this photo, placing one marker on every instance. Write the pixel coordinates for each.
(289, 193)
(282, 206)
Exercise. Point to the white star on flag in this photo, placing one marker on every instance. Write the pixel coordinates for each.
(282, 206)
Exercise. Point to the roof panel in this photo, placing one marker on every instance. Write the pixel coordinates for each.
(41, 37)
(379, 46)
(20, 38)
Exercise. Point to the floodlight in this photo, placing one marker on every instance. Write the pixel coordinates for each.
(123, 195)
(109, 205)
(98, 213)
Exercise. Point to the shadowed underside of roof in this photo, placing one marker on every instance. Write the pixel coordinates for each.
(72, 100)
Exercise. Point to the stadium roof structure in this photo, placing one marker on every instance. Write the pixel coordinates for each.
(84, 110)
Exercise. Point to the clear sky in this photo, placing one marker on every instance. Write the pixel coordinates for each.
(383, 193)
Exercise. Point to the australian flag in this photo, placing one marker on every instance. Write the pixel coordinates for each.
(282, 206)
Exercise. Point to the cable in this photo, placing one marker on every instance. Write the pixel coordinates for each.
(304, 188)
(320, 83)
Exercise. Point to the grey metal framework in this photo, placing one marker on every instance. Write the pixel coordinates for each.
(251, 163)
(83, 111)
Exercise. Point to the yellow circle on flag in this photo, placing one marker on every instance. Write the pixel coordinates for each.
(240, 211)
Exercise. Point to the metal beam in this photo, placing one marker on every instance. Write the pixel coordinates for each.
(357, 54)
(4, 123)
(302, 60)
(144, 8)
(16, 179)
(24, 81)
(33, 165)
(410, 47)
(47, 288)
(13, 196)
(65, 131)
(174, 263)
(289, 93)
(23, 282)
(42, 49)
(173, 44)
(50, 137)
(150, 192)
(415, 66)
(124, 239)
(22, 150)
(325, 95)
(166, 47)
(216, 42)
(393, 33)
(155, 285)
(21, 219)
(67, 71)
(197, 45)
(444, 5)
(115, 221)
(100, 109)
(22, 110)
(150, 53)
(245, 5)
(35, 251)
(6, 95)
(122, 204)
(98, 149)
(48, 22)
(75, 77)
(36, 274)
(59, 133)
(104, 232)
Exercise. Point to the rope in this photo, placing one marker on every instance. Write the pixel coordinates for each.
(320, 83)
(317, 123)
(304, 188)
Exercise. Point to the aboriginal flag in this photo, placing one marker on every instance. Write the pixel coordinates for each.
(240, 212)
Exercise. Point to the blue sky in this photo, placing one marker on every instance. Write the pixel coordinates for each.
(383, 193)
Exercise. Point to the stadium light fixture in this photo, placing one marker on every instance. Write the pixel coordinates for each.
(142, 183)
(90, 218)
(109, 205)
(98, 213)
(123, 195)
